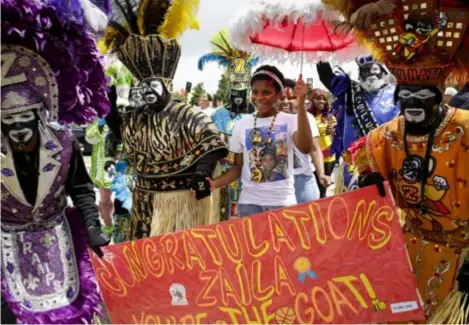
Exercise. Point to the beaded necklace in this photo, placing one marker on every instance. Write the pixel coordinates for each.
(257, 141)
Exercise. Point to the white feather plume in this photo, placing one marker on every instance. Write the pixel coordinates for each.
(95, 18)
(250, 21)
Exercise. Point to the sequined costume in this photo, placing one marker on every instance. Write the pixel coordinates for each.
(47, 276)
(437, 219)
(238, 66)
(358, 112)
(423, 153)
(171, 147)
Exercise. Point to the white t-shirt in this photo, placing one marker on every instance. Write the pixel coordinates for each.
(267, 174)
(303, 163)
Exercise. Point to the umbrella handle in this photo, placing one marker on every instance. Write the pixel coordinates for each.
(301, 66)
(302, 46)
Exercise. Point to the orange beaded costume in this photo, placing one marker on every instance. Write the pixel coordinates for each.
(436, 217)
(438, 234)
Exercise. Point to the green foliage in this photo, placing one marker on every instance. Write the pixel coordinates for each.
(119, 75)
(224, 86)
(196, 93)
(177, 96)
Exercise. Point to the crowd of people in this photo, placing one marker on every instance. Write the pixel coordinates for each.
(163, 166)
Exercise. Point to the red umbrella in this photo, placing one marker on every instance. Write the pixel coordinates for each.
(276, 28)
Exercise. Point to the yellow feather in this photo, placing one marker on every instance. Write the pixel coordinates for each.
(228, 49)
(180, 16)
(217, 39)
(101, 45)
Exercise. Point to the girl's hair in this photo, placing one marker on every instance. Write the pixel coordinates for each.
(318, 93)
(289, 83)
(209, 97)
(258, 75)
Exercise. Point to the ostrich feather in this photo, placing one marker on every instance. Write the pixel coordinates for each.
(151, 14)
(221, 59)
(114, 35)
(221, 41)
(180, 17)
(124, 12)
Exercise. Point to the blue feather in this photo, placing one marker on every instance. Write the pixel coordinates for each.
(220, 59)
(253, 61)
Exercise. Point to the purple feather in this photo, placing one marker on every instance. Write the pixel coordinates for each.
(71, 9)
(69, 49)
(104, 5)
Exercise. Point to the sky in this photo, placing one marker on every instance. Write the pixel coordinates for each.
(213, 16)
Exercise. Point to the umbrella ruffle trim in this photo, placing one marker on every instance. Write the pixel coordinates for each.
(281, 56)
(251, 20)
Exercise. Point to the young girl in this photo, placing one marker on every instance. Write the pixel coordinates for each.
(326, 124)
(254, 136)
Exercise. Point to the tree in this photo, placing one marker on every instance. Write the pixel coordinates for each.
(178, 96)
(197, 92)
(224, 87)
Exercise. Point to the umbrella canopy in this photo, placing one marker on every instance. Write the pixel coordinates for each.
(276, 28)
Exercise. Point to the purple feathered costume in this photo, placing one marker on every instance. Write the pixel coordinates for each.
(52, 61)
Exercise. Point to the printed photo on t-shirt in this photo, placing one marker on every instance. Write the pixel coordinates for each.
(268, 157)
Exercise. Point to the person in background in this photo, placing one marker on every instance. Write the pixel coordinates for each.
(255, 136)
(306, 174)
(360, 106)
(96, 136)
(205, 106)
(217, 102)
(287, 103)
(326, 123)
(450, 92)
(116, 167)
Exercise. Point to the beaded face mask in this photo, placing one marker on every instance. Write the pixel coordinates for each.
(417, 103)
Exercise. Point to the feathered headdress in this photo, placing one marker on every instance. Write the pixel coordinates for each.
(421, 41)
(144, 35)
(58, 59)
(237, 61)
(90, 12)
(224, 53)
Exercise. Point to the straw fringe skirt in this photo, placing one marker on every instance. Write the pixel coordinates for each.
(178, 210)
